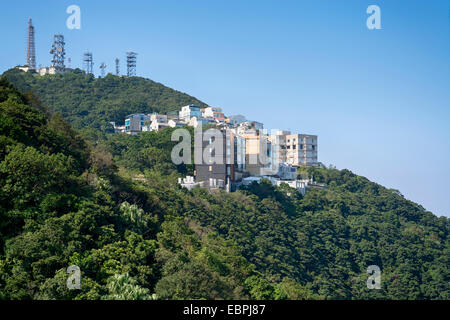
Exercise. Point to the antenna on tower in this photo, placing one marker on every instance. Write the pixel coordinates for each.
(69, 63)
(88, 62)
(131, 63)
(117, 66)
(102, 69)
(58, 52)
(31, 54)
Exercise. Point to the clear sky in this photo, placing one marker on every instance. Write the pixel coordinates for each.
(379, 100)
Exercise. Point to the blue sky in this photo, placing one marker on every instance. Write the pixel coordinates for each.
(379, 100)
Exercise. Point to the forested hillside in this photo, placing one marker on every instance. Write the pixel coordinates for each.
(65, 201)
(89, 102)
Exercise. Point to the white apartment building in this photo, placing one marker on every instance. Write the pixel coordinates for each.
(188, 112)
(295, 149)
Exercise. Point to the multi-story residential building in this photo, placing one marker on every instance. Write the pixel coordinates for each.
(249, 128)
(188, 112)
(157, 122)
(235, 120)
(135, 122)
(258, 154)
(220, 172)
(161, 118)
(213, 112)
(295, 149)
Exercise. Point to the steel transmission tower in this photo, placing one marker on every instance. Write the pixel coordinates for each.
(58, 52)
(31, 54)
(117, 66)
(88, 62)
(131, 63)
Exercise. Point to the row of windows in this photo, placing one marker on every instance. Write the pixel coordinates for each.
(313, 147)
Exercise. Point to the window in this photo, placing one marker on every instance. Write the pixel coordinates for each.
(210, 168)
(301, 147)
(314, 147)
(294, 147)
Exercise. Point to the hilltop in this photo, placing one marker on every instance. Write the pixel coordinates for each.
(89, 102)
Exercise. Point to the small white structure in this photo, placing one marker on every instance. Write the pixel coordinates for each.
(189, 183)
(45, 70)
(300, 185)
(296, 184)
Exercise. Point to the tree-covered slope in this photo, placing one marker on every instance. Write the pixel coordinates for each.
(89, 102)
(324, 241)
(64, 201)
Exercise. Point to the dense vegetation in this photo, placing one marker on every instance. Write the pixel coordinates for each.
(113, 208)
(89, 102)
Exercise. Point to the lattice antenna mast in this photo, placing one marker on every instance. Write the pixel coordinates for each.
(117, 67)
(31, 53)
(102, 69)
(58, 52)
(88, 63)
(131, 63)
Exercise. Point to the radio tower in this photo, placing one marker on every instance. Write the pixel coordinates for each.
(131, 63)
(117, 66)
(88, 63)
(58, 53)
(102, 69)
(31, 55)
